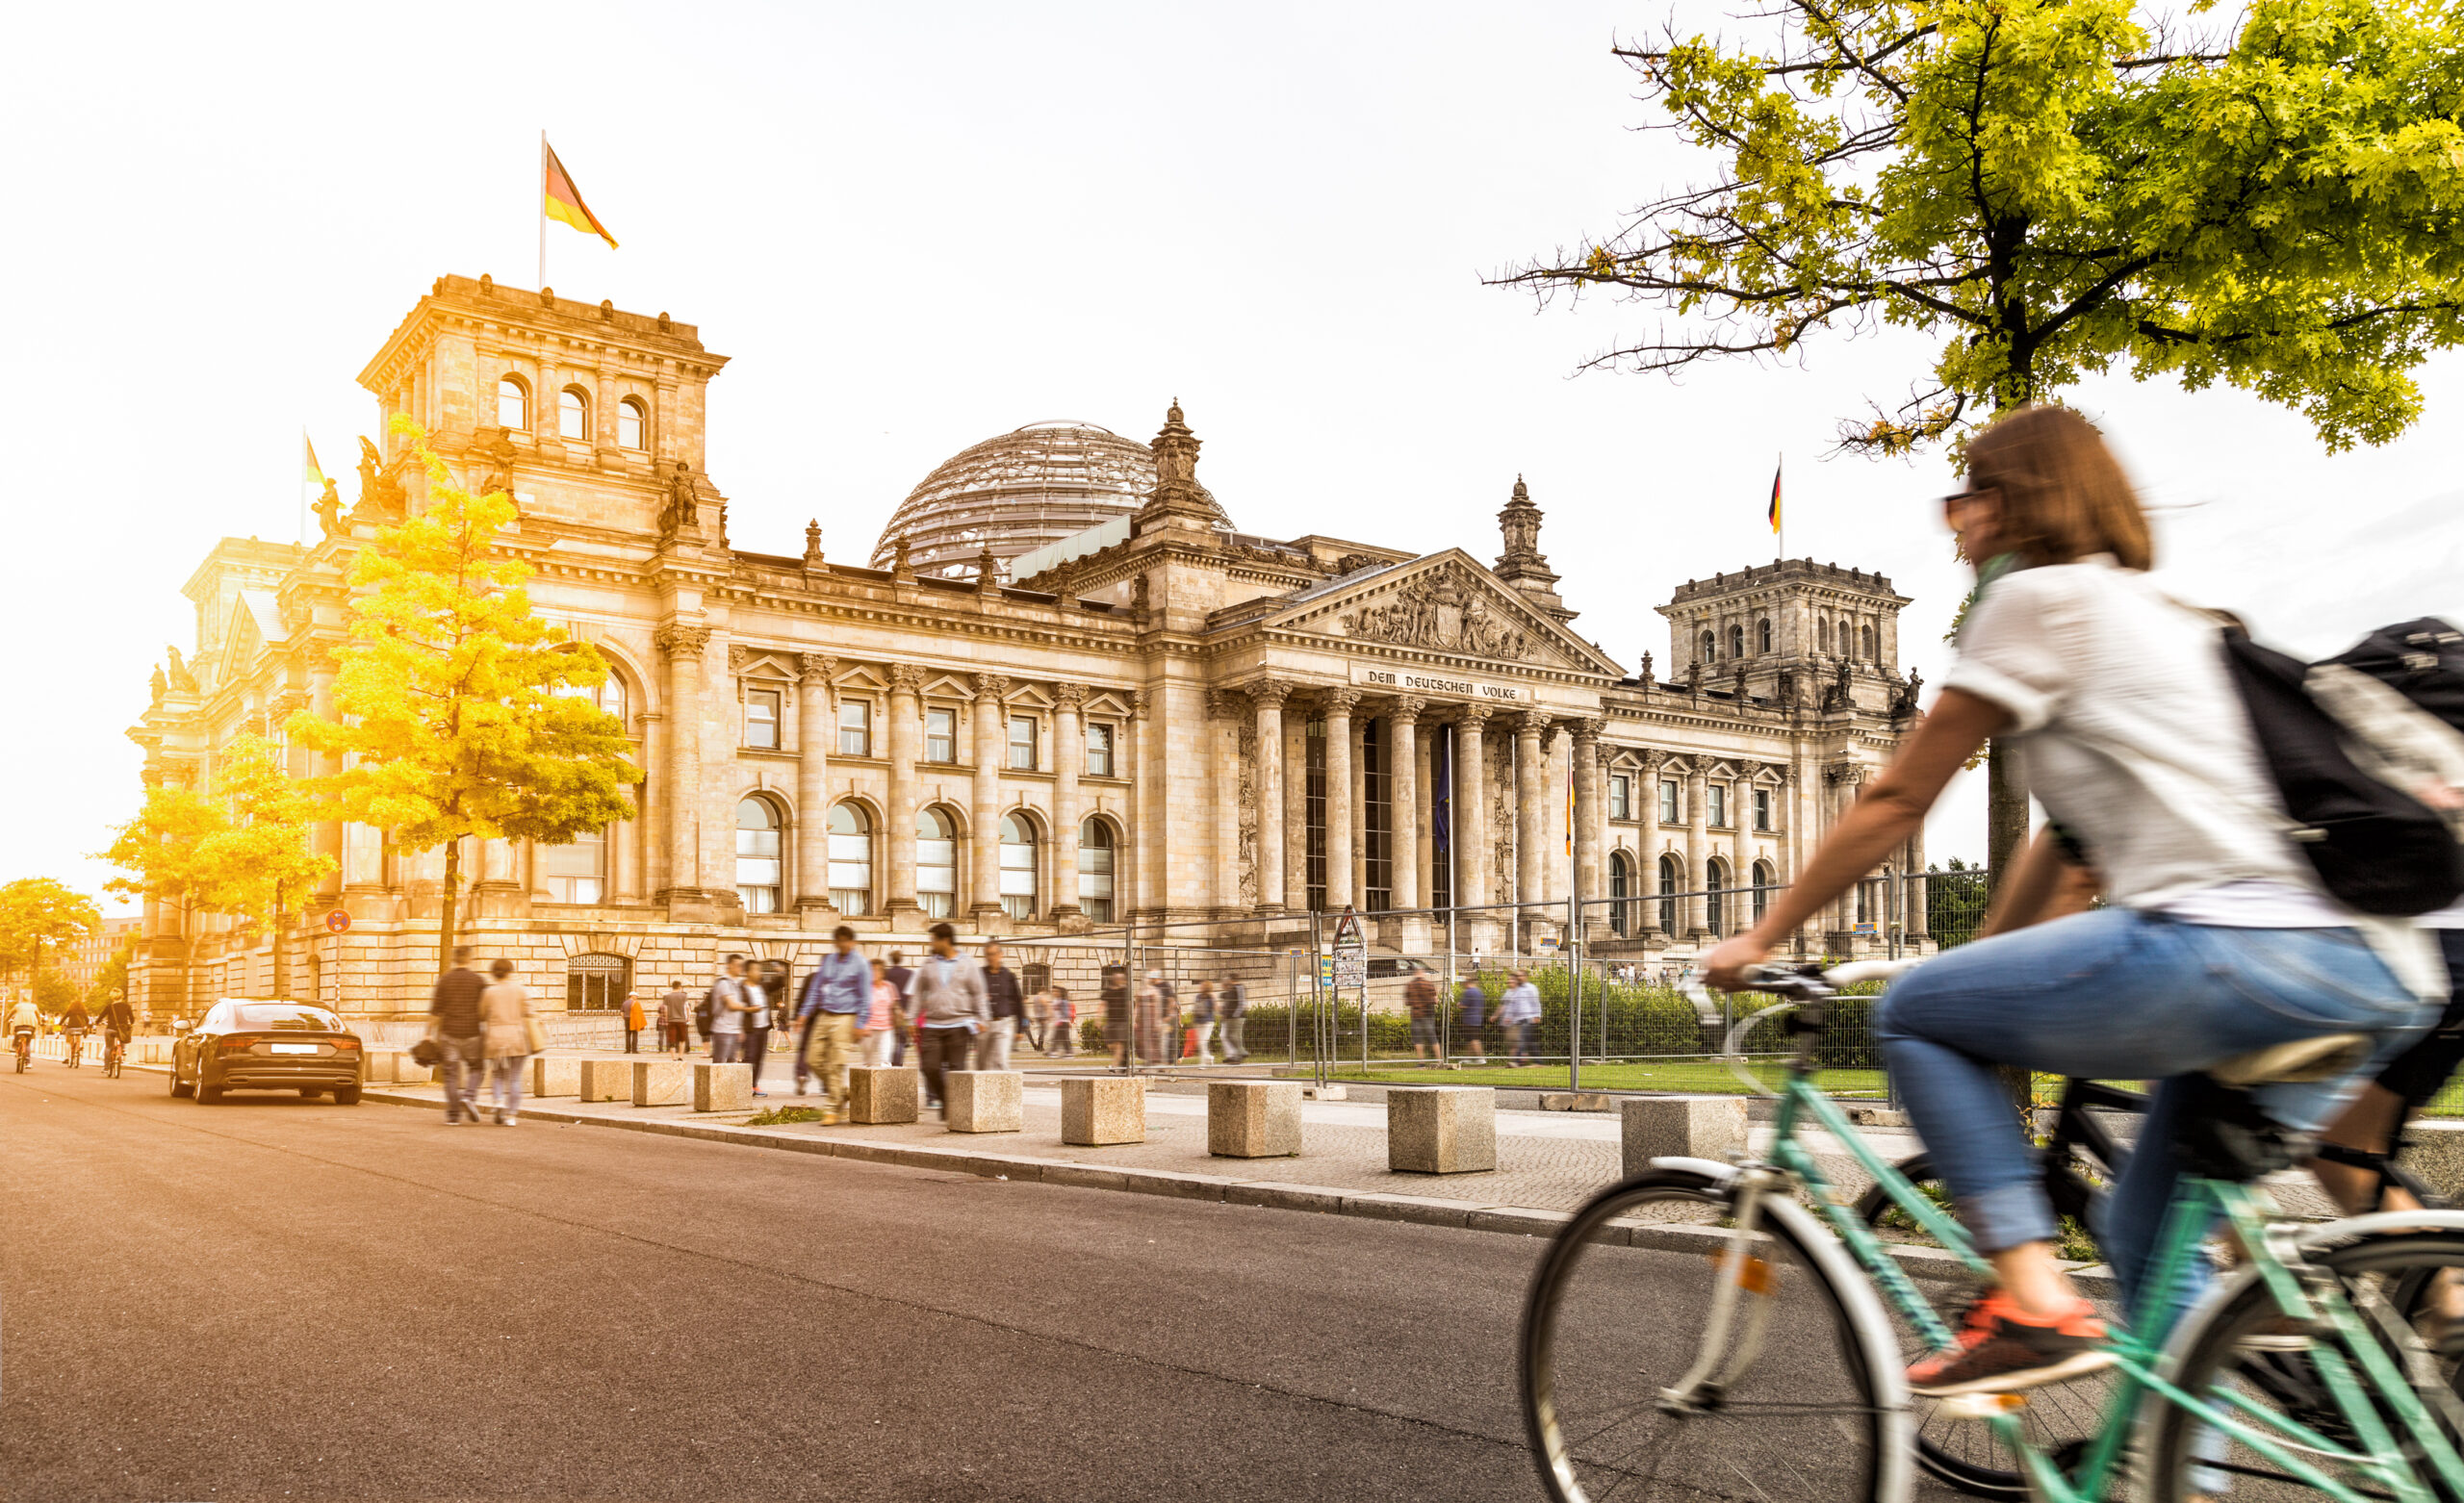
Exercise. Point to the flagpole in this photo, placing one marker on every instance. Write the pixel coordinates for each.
(540, 208)
(1778, 464)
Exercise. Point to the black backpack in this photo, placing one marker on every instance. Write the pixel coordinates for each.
(703, 1011)
(2376, 848)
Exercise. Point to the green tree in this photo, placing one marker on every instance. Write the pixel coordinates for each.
(262, 861)
(111, 982)
(2055, 187)
(36, 915)
(451, 697)
(167, 851)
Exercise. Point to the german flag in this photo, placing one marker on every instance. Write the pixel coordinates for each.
(563, 201)
(1775, 487)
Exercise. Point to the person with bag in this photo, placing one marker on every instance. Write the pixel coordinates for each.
(675, 1019)
(635, 1022)
(837, 996)
(757, 1021)
(1008, 1007)
(2218, 937)
(950, 1008)
(1061, 1024)
(1232, 1015)
(514, 1034)
(1202, 1023)
(455, 1029)
(881, 1017)
(728, 1006)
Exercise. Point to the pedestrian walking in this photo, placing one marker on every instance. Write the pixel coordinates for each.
(505, 1011)
(1040, 1020)
(757, 1014)
(1232, 1020)
(837, 996)
(1009, 1008)
(1520, 1015)
(904, 980)
(675, 1019)
(454, 1010)
(881, 1016)
(1202, 1023)
(1471, 1015)
(1419, 1000)
(728, 1007)
(635, 1022)
(1149, 1023)
(1060, 1033)
(950, 1011)
(1118, 1006)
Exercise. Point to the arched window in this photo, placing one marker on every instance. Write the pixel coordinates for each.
(576, 871)
(937, 862)
(1095, 869)
(1872, 654)
(1668, 894)
(1822, 634)
(757, 855)
(1714, 912)
(1847, 637)
(1736, 643)
(572, 413)
(632, 424)
(1620, 886)
(1018, 867)
(1711, 648)
(850, 860)
(596, 983)
(1765, 878)
(608, 695)
(513, 403)
(1763, 635)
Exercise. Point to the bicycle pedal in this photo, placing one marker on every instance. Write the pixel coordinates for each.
(1980, 1406)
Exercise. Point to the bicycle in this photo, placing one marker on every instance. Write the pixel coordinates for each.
(1785, 1341)
(25, 1049)
(76, 1047)
(114, 1052)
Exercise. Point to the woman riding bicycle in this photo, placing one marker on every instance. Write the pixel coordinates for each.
(2218, 939)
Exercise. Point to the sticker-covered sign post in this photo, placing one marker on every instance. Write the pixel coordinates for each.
(1352, 972)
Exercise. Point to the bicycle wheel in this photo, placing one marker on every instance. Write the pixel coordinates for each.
(1967, 1455)
(1803, 1403)
(2406, 1286)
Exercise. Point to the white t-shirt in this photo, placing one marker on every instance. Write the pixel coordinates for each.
(2130, 732)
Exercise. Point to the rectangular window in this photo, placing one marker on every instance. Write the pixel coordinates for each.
(941, 735)
(1668, 801)
(1095, 881)
(1620, 799)
(761, 719)
(575, 873)
(854, 728)
(1762, 808)
(1022, 743)
(1099, 751)
(1719, 805)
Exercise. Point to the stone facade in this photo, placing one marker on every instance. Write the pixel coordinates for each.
(1163, 721)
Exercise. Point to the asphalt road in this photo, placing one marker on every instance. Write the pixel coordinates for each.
(271, 1299)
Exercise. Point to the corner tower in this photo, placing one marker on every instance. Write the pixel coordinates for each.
(1794, 631)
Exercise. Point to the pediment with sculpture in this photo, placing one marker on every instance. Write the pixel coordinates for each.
(1448, 604)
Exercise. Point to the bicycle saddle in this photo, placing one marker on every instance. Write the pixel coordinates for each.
(2319, 1059)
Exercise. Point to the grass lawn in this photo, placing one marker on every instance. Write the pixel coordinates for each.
(1699, 1076)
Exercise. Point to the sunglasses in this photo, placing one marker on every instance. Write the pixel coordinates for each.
(1959, 499)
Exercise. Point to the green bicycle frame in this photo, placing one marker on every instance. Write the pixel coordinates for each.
(2138, 1351)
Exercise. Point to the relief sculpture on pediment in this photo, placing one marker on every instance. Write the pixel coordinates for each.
(1443, 610)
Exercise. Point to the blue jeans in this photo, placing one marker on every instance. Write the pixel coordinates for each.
(2119, 994)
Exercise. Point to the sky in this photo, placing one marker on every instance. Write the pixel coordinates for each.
(912, 228)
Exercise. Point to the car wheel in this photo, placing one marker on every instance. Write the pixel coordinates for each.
(208, 1095)
(177, 1089)
(347, 1096)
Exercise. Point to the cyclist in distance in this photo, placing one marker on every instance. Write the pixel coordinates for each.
(2218, 939)
(24, 1019)
(118, 1019)
(73, 1026)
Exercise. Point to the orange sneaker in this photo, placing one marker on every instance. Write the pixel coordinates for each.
(2001, 1348)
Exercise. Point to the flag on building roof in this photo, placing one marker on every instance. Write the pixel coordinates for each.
(1775, 497)
(312, 474)
(563, 200)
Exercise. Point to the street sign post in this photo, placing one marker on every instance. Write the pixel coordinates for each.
(338, 921)
(1352, 972)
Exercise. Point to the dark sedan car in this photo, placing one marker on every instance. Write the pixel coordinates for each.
(267, 1046)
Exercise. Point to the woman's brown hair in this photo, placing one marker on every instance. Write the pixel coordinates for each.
(2064, 495)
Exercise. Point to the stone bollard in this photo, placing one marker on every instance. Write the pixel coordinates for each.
(1253, 1119)
(554, 1077)
(879, 1093)
(983, 1101)
(397, 1067)
(721, 1088)
(1440, 1129)
(1681, 1127)
(661, 1082)
(1103, 1108)
(604, 1080)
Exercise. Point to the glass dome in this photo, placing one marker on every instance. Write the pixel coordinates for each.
(1029, 487)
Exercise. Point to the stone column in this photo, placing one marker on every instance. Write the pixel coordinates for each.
(1403, 844)
(1426, 850)
(897, 849)
(1698, 850)
(1068, 759)
(1586, 754)
(1267, 787)
(327, 834)
(814, 733)
(1471, 844)
(683, 644)
(1145, 882)
(1647, 850)
(1531, 816)
(1295, 812)
(651, 814)
(991, 736)
(1338, 704)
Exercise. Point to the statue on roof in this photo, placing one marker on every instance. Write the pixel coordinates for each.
(180, 678)
(330, 510)
(159, 687)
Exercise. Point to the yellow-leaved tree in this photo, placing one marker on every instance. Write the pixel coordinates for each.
(450, 696)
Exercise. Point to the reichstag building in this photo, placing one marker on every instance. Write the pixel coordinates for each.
(1064, 692)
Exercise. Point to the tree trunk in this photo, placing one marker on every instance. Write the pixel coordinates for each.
(282, 952)
(445, 931)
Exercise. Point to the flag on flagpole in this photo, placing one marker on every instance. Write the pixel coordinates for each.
(311, 474)
(1775, 497)
(562, 201)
